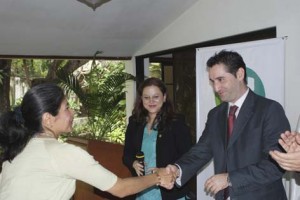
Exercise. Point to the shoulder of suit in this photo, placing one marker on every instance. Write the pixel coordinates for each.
(261, 103)
(221, 106)
(134, 120)
(263, 99)
(178, 117)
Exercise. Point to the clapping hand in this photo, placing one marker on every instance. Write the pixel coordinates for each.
(290, 142)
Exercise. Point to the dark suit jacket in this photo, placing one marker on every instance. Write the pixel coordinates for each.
(254, 175)
(171, 144)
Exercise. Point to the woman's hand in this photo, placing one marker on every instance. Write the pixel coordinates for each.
(165, 177)
(138, 167)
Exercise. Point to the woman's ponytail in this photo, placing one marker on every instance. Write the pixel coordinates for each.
(13, 134)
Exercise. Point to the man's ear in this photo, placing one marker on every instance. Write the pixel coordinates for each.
(240, 74)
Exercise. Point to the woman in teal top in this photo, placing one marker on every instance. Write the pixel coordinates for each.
(161, 134)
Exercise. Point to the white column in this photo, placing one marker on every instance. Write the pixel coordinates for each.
(130, 87)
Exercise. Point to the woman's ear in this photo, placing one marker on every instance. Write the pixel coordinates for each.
(47, 120)
(165, 97)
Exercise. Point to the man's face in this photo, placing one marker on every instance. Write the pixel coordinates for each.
(225, 84)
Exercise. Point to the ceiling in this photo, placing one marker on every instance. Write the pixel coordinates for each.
(118, 28)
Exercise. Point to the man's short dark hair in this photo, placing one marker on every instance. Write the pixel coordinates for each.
(232, 61)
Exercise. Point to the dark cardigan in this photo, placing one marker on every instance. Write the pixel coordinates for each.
(171, 144)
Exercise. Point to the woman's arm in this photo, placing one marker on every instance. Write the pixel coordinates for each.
(74, 162)
(133, 185)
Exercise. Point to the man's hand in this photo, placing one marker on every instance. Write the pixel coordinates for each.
(216, 183)
(166, 178)
(174, 170)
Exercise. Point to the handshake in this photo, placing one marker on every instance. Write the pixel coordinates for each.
(167, 176)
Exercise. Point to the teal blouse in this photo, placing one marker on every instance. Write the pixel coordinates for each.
(149, 149)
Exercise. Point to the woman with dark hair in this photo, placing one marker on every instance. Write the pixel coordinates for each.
(36, 166)
(159, 133)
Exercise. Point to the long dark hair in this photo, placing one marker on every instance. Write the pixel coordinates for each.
(17, 127)
(166, 112)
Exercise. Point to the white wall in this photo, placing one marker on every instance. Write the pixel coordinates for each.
(130, 88)
(213, 19)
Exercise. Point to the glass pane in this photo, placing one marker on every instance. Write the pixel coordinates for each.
(168, 74)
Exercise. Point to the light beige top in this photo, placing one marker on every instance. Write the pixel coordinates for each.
(48, 169)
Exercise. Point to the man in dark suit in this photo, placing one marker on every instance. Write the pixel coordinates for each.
(243, 168)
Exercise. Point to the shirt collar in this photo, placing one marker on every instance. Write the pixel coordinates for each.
(239, 102)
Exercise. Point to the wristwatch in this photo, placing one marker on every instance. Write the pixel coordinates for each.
(229, 182)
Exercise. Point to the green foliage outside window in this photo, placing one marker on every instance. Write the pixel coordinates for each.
(155, 70)
(96, 92)
(102, 94)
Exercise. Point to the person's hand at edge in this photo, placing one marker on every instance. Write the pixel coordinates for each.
(288, 161)
(289, 141)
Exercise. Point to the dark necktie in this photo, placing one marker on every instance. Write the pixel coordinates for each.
(230, 124)
(231, 119)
